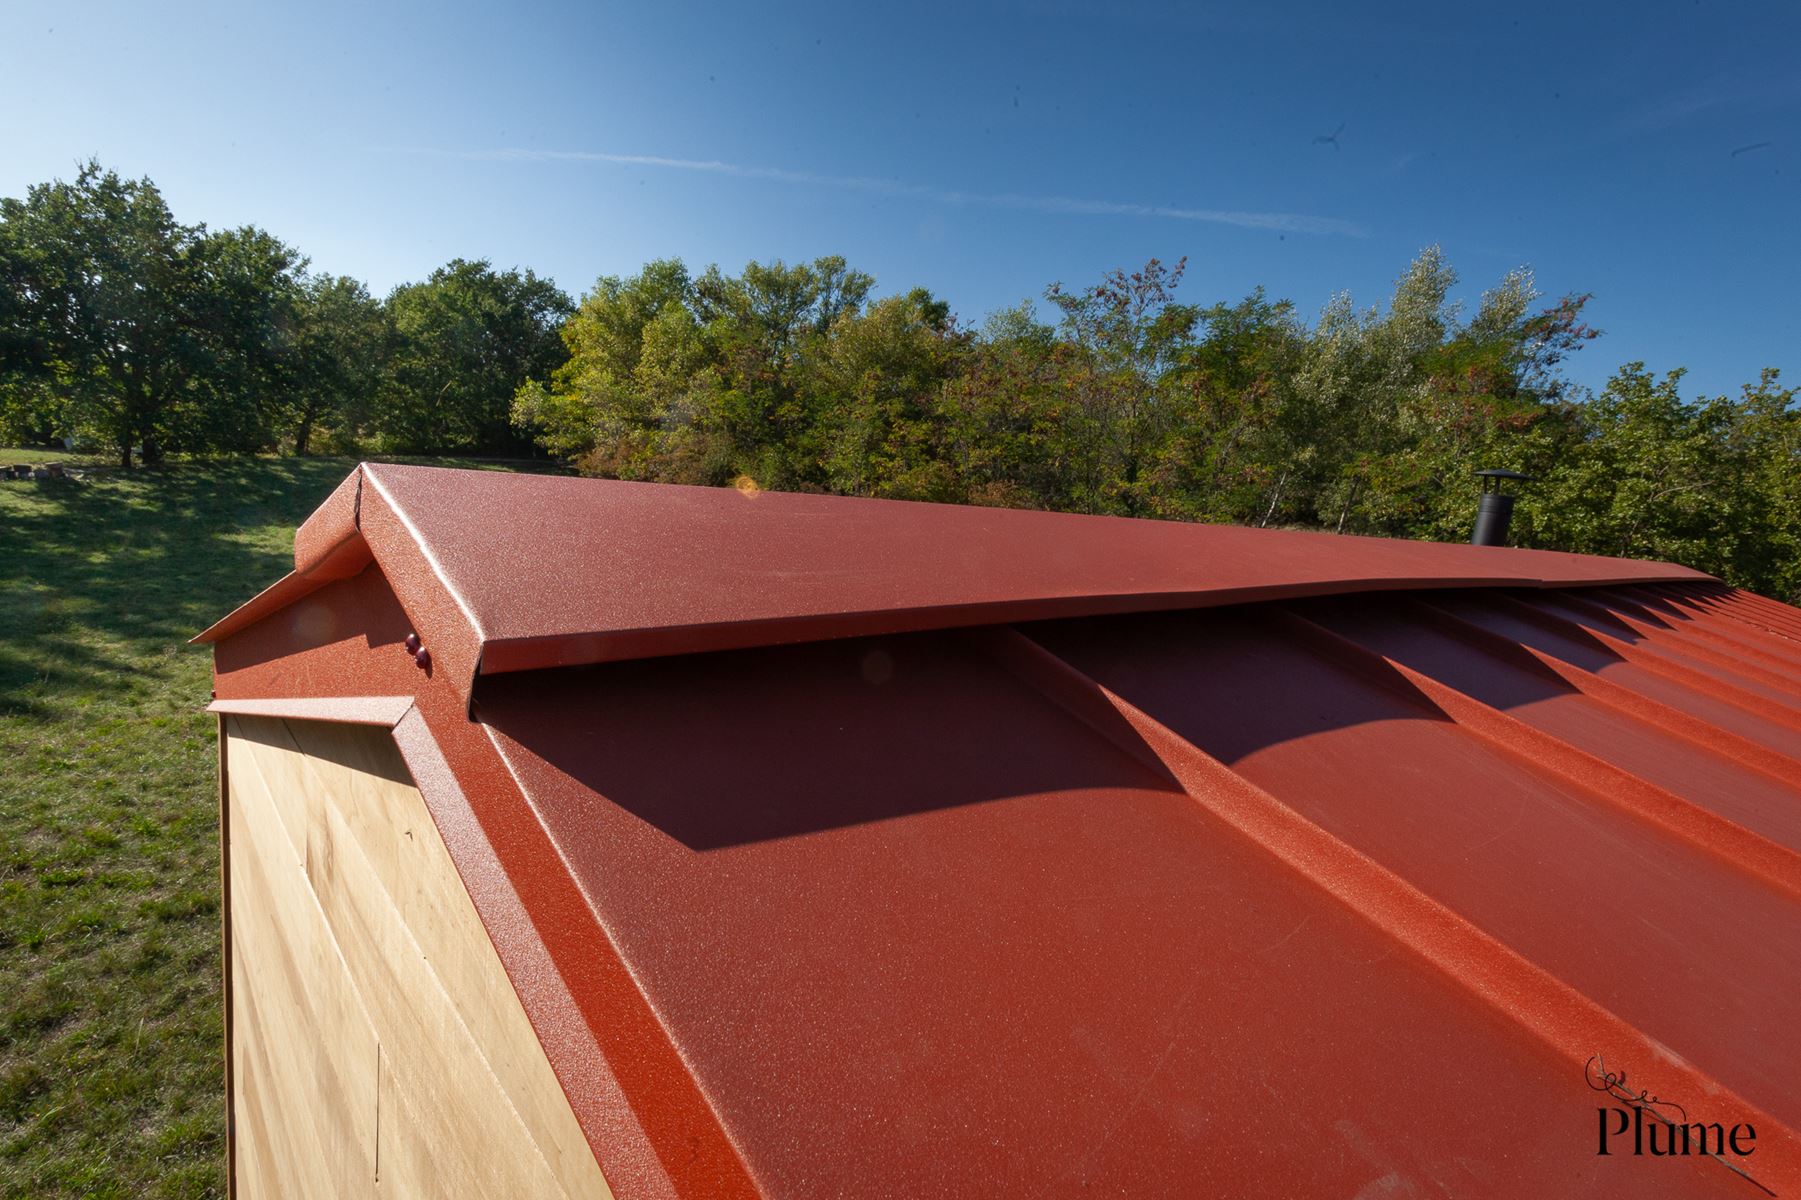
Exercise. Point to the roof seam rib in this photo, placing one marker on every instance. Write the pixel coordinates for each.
(1702, 643)
(1708, 738)
(1058, 681)
(1736, 604)
(1738, 615)
(1657, 662)
(1567, 1021)
(1348, 655)
(1701, 636)
(1571, 767)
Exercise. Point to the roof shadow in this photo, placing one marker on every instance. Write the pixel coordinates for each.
(1234, 681)
(293, 734)
(745, 746)
(1448, 638)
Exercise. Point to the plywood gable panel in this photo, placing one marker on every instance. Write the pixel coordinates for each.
(301, 1039)
(468, 1103)
(394, 832)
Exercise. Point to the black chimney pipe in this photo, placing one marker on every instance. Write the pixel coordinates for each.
(1494, 510)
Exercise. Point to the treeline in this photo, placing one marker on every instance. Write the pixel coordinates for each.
(1131, 402)
(123, 328)
(128, 332)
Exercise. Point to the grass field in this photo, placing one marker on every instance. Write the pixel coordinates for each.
(111, 1070)
(10, 456)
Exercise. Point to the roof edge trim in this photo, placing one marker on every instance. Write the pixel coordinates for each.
(384, 711)
(429, 594)
(328, 543)
(366, 519)
(328, 546)
(425, 551)
(505, 655)
(287, 590)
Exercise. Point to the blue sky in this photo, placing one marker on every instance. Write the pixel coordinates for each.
(1648, 153)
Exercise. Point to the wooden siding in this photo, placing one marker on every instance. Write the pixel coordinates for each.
(378, 1048)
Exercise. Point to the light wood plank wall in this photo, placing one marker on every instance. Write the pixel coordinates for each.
(378, 1048)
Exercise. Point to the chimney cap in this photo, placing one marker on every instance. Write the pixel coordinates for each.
(1494, 477)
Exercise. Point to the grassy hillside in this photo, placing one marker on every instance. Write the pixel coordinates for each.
(111, 1072)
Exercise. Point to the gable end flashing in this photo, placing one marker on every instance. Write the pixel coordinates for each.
(362, 522)
(357, 525)
(329, 544)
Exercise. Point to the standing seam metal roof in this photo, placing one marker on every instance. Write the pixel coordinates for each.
(1149, 858)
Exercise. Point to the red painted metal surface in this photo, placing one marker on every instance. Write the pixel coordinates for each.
(524, 572)
(1296, 895)
(328, 546)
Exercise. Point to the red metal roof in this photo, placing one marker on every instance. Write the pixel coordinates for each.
(1332, 880)
(528, 572)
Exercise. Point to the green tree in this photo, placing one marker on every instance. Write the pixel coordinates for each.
(125, 327)
(1125, 336)
(23, 354)
(1347, 423)
(1387, 413)
(877, 380)
(1005, 417)
(1227, 441)
(1491, 397)
(102, 300)
(340, 354)
(1708, 483)
(240, 313)
(466, 340)
(29, 409)
(696, 380)
(765, 326)
(1767, 431)
(592, 406)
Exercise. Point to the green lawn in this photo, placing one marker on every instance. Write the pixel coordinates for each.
(12, 455)
(111, 1075)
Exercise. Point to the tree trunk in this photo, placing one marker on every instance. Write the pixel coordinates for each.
(1273, 501)
(122, 423)
(1345, 512)
(133, 424)
(150, 452)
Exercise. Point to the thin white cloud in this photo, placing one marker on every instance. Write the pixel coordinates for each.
(1731, 93)
(1281, 222)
